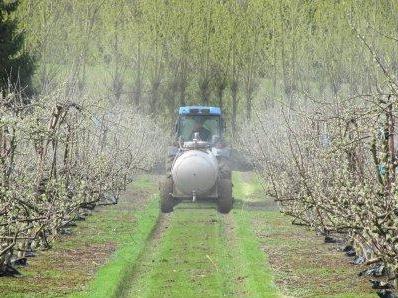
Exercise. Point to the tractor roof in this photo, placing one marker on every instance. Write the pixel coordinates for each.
(199, 110)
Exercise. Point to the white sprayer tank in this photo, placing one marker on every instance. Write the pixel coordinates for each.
(195, 172)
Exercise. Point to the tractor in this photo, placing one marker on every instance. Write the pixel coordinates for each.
(197, 167)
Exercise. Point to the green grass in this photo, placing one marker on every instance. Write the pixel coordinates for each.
(73, 261)
(260, 279)
(203, 254)
(195, 252)
(144, 182)
(302, 265)
(187, 260)
(259, 274)
(301, 257)
(109, 279)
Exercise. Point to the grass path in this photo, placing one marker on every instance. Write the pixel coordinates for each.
(193, 252)
(198, 252)
(302, 264)
(74, 264)
(109, 278)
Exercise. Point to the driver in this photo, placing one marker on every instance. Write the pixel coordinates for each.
(204, 133)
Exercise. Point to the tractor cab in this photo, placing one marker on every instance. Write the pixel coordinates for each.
(200, 121)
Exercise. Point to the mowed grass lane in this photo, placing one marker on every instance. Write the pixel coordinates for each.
(198, 252)
(302, 264)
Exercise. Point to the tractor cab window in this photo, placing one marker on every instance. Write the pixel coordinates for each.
(206, 126)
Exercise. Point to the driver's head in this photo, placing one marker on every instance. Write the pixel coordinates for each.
(198, 123)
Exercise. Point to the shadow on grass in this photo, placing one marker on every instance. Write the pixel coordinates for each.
(260, 205)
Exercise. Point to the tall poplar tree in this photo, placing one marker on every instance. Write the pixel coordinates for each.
(16, 66)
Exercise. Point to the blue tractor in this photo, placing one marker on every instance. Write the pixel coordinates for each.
(198, 162)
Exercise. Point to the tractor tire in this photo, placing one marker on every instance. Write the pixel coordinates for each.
(166, 198)
(225, 200)
(224, 170)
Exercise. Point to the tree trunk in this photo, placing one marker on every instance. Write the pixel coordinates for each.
(220, 94)
(204, 89)
(249, 97)
(137, 88)
(234, 92)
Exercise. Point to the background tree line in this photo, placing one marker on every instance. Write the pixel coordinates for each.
(157, 54)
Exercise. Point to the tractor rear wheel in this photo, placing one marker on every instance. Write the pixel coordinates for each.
(166, 198)
(224, 169)
(225, 200)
